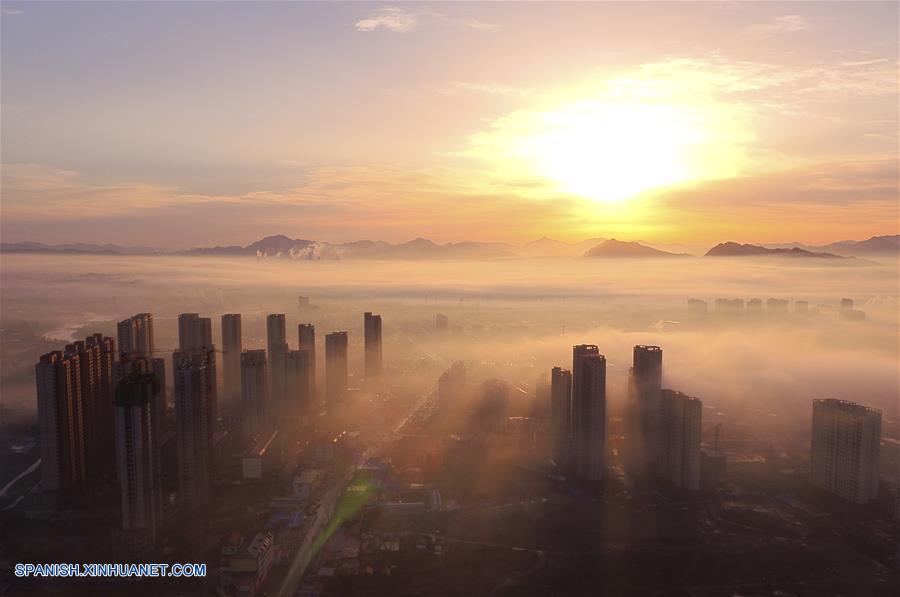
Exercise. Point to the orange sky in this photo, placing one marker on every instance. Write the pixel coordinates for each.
(691, 123)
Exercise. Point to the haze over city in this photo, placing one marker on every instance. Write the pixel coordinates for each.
(534, 299)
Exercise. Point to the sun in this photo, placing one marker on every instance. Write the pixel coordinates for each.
(620, 140)
(611, 152)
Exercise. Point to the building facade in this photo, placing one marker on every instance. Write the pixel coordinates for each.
(589, 412)
(232, 347)
(846, 445)
(336, 379)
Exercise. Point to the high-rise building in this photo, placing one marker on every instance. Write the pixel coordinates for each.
(194, 332)
(255, 412)
(195, 335)
(74, 392)
(232, 346)
(276, 344)
(335, 368)
(276, 330)
(298, 370)
(679, 459)
(441, 322)
(135, 336)
(307, 341)
(561, 415)
(123, 367)
(61, 420)
(589, 411)
(137, 453)
(754, 307)
(846, 444)
(646, 441)
(195, 395)
(698, 308)
(372, 343)
(493, 404)
(452, 388)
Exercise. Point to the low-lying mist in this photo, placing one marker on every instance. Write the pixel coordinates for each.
(511, 318)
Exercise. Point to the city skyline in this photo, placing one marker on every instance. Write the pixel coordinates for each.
(768, 122)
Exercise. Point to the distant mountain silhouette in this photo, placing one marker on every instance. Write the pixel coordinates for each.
(732, 249)
(617, 249)
(419, 248)
(280, 245)
(876, 245)
(549, 247)
(107, 249)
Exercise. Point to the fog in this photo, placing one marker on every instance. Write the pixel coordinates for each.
(513, 319)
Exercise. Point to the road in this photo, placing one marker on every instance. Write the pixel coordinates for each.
(326, 509)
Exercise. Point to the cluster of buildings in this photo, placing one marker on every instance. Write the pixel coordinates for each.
(103, 412)
(733, 307)
(664, 426)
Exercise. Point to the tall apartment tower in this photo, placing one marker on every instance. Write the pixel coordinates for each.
(335, 368)
(137, 453)
(195, 336)
(646, 441)
(255, 415)
(846, 440)
(194, 332)
(452, 388)
(307, 341)
(195, 393)
(276, 344)
(135, 336)
(298, 371)
(60, 416)
(589, 411)
(561, 416)
(75, 413)
(372, 346)
(232, 346)
(681, 420)
(124, 367)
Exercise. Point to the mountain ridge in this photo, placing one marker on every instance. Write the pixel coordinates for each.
(281, 245)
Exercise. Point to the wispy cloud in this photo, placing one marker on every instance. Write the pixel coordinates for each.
(782, 24)
(492, 89)
(391, 18)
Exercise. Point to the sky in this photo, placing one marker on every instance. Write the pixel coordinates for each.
(178, 124)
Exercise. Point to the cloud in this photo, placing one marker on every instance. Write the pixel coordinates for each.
(391, 18)
(478, 24)
(399, 20)
(491, 89)
(782, 24)
(36, 190)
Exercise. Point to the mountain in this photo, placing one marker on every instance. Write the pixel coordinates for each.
(549, 247)
(875, 244)
(616, 248)
(109, 249)
(280, 245)
(277, 244)
(732, 249)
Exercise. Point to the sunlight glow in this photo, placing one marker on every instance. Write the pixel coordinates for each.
(616, 141)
